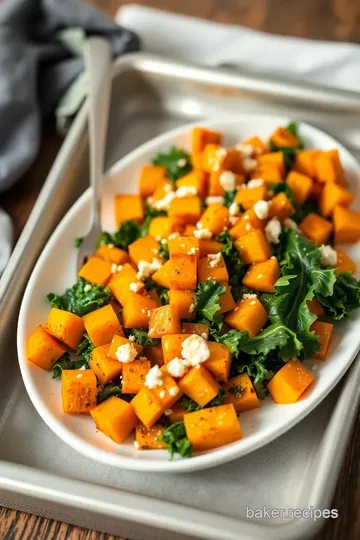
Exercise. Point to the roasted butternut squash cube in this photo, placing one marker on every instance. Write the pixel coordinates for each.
(96, 270)
(147, 407)
(78, 390)
(247, 223)
(275, 159)
(281, 207)
(128, 207)
(161, 191)
(172, 346)
(199, 385)
(301, 186)
(195, 179)
(65, 326)
(148, 438)
(328, 167)
(316, 228)
(163, 275)
(241, 393)
(42, 349)
(290, 382)
(258, 145)
(144, 249)
(226, 300)
(116, 342)
(183, 274)
(305, 162)
(284, 137)
(137, 311)
(344, 262)
(216, 181)
(169, 392)
(207, 247)
(324, 331)
(183, 245)
(183, 303)
(262, 276)
(112, 254)
(104, 367)
(346, 225)
(247, 197)
(200, 137)
(154, 353)
(333, 195)
(120, 283)
(163, 320)
(213, 267)
(101, 325)
(177, 414)
(188, 209)
(271, 174)
(214, 158)
(249, 316)
(316, 190)
(163, 226)
(133, 375)
(199, 329)
(253, 247)
(115, 418)
(213, 427)
(151, 177)
(219, 363)
(315, 307)
(215, 218)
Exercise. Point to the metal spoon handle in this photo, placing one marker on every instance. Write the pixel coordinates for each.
(98, 67)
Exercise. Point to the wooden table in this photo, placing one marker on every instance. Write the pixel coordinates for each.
(316, 19)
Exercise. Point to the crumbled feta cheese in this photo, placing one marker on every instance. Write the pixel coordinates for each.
(204, 335)
(186, 191)
(135, 287)
(247, 150)
(176, 367)
(131, 338)
(214, 199)
(168, 412)
(261, 209)
(82, 367)
(233, 220)
(181, 162)
(155, 251)
(227, 180)
(164, 203)
(195, 350)
(290, 224)
(248, 295)
(255, 182)
(110, 245)
(79, 376)
(191, 308)
(163, 240)
(158, 238)
(173, 235)
(119, 267)
(114, 268)
(173, 391)
(162, 394)
(199, 225)
(328, 256)
(154, 378)
(253, 302)
(146, 268)
(234, 209)
(249, 164)
(167, 188)
(215, 259)
(87, 287)
(202, 233)
(192, 251)
(273, 230)
(247, 226)
(126, 353)
(137, 445)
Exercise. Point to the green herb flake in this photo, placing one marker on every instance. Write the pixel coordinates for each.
(176, 162)
(176, 440)
(81, 298)
(78, 242)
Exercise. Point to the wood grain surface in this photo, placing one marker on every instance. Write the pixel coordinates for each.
(316, 19)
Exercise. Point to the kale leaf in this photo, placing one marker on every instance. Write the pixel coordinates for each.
(81, 298)
(127, 233)
(345, 297)
(289, 153)
(151, 285)
(65, 362)
(85, 348)
(113, 388)
(176, 440)
(282, 187)
(142, 338)
(207, 299)
(164, 249)
(235, 267)
(176, 162)
(229, 197)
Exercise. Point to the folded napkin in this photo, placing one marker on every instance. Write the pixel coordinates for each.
(40, 56)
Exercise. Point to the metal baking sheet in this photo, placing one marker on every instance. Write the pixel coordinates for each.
(39, 473)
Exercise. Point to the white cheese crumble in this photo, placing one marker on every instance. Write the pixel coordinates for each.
(191, 308)
(202, 233)
(249, 164)
(146, 269)
(136, 287)
(247, 150)
(137, 445)
(114, 268)
(186, 191)
(110, 245)
(195, 350)
(253, 302)
(233, 220)
(131, 338)
(192, 251)
(154, 378)
(255, 182)
(181, 162)
(234, 209)
(290, 224)
(173, 235)
(261, 209)
(215, 259)
(164, 203)
(273, 230)
(87, 287)
(328, 256)
(79, 376)
(204, 335)
(162, 394)
(227, 180)
(126, 353)
(168, 412)
(214, 199)
(176, 367)
(248, 295)
(173, 391)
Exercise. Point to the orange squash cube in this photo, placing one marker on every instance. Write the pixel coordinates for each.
(262, 276)
(183, 272)
(42, 349)
(333, 195)
(200, 137)
(199, 329)
(172, 346)
(196, 179)
(219, 363)
(346, 225)
(284, 137)
(305, 162)
(101, 325)
(188, 209)
(199, 385)
(328, 167)
(183, 245)
(344, 262)
(163, 275)
(290, 382)
(215, 187)
(213, 427)
(215, 218)
(316, 190)
(247, 223)
(226, 300)
(116, 342)
(253, 247)
(300, 185)
(275, 159)
(78, 390)
(315, 307)
(96, 270)
(144, 249)
(112, 254)
(169, 392)
(258, 145)
(324, 331)
(271, 174)
(182, 303)
(177, 414)
(128, 207)
(154, 353)
(214, 158)
(120, 283)
(65, 326)
(151, 177)
(161, 191)
(115, 418)
(316, 228)
(247, 197)
(241, 393)
(104, 367)
(281, 207)
(248, 316)
(133, 375)
(137, 310)
(208, 270)
(207, 247)
(163, 321)
(148, 438)
(147, 407)
(163, 226)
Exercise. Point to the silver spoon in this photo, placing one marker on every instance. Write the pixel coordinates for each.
(98, 71)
